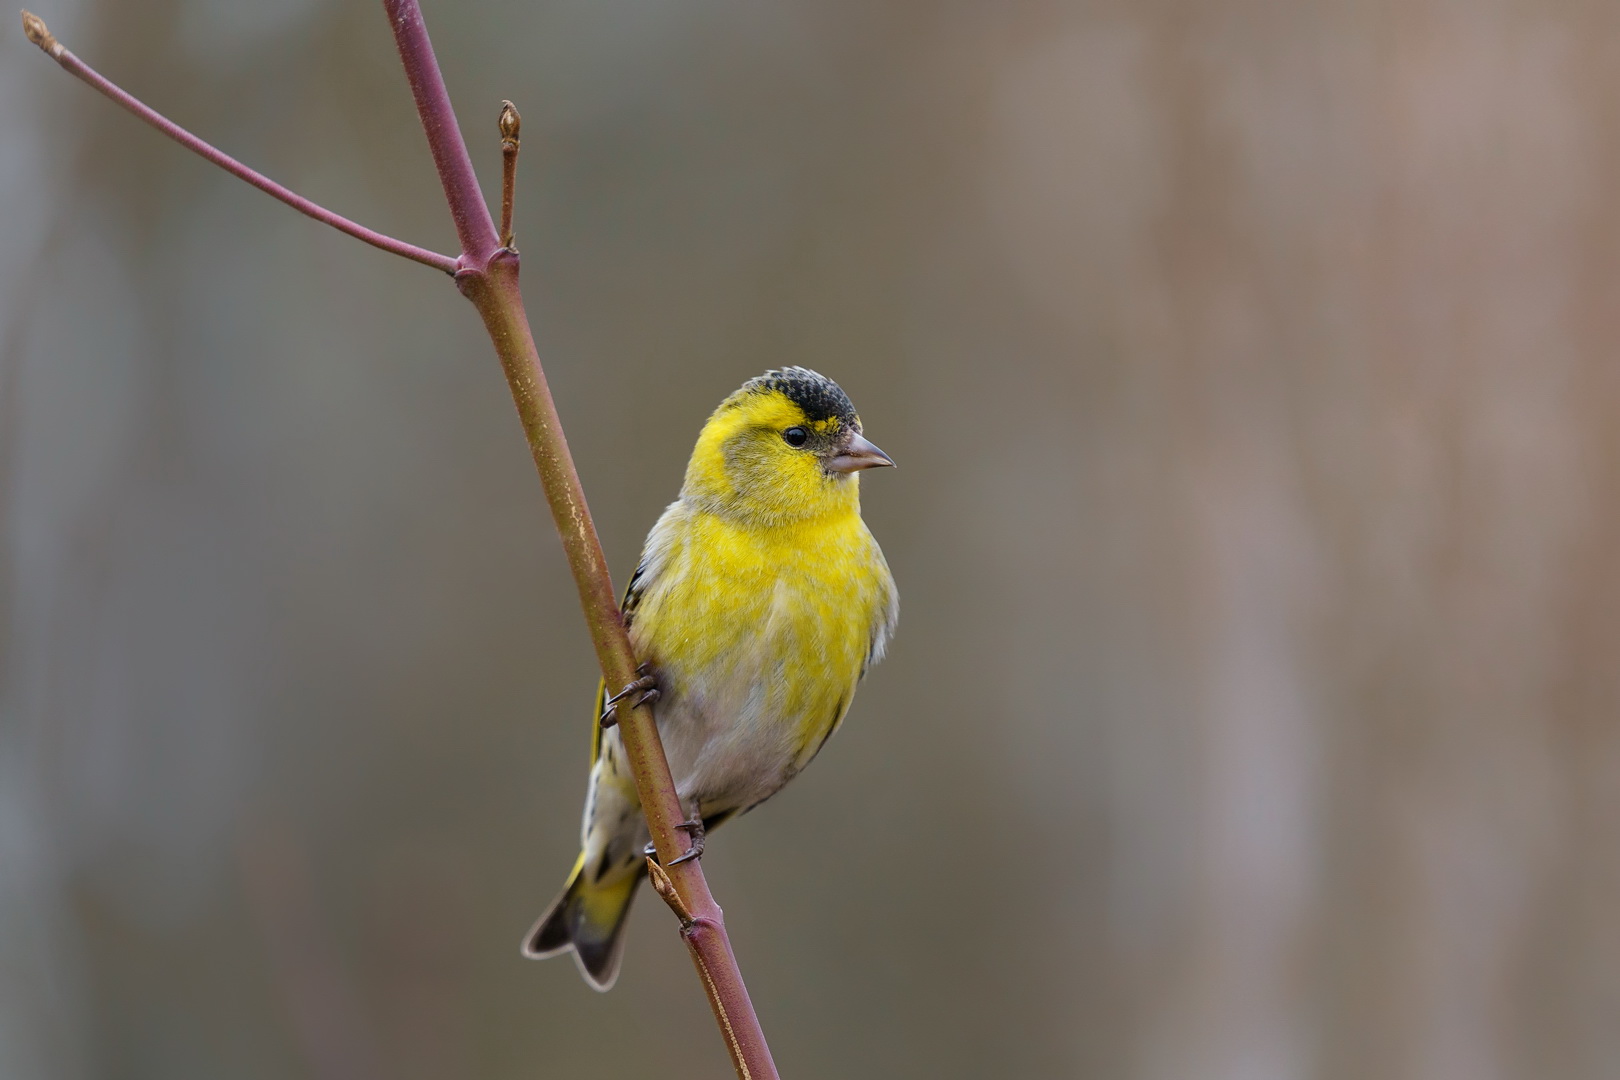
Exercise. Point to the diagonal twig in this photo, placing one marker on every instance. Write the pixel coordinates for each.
(487, 274)
(37, 32)
(489, 278)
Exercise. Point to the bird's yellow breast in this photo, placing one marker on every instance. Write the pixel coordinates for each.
(765, 626)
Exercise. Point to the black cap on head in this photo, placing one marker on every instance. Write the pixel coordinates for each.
(817, 395)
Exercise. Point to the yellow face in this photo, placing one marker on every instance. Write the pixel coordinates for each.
(765, 458)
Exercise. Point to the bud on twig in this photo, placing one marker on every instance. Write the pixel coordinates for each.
(36, 30)
(665, 888)
(511, 126)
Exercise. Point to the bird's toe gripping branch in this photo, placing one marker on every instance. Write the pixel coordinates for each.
(647, 685)
(693, 827)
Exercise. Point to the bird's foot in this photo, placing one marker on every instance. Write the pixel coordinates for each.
(693, 827)
(647, 685)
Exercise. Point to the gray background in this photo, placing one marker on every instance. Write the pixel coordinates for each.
(1252, 372)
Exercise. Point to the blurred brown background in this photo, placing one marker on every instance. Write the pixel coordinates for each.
(1252, 370)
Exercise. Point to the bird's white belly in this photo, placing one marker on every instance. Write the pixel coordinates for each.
(728, 743)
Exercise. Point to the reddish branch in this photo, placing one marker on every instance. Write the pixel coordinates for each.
(34, 27)
(487, 274)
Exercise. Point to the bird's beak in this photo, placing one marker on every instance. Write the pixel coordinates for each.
(857, 454)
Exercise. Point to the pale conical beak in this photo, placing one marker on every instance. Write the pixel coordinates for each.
(859, 454)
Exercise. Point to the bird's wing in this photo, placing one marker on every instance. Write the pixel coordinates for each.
(652, 560)
(888, 613)
(596, 726)
(632, 598)
(633, 591)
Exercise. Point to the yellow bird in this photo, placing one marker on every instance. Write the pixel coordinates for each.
(760, 601)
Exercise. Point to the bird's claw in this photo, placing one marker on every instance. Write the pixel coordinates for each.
(693, 827)
(647, 683)
(693, 852)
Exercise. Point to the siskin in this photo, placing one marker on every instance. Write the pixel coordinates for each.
(760, 601)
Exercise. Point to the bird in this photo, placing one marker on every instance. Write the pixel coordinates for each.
(760, 600)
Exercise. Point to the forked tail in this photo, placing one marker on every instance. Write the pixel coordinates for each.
(589, 919)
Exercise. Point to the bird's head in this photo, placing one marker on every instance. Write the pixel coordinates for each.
(787, 446)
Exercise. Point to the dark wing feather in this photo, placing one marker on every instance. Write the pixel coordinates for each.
(632, 600)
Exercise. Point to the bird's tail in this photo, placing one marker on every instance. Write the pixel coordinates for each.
(588, 918)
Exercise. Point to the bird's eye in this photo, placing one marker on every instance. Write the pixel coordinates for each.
(796, 436)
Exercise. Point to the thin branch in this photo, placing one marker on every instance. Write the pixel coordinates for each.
(489, 279)
(511, 130)
(473, 225)
(487, 274)
(495, 294)
(35, 28)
